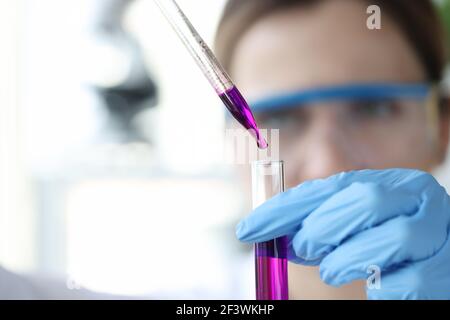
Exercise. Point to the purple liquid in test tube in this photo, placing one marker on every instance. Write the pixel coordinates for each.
(271, 263)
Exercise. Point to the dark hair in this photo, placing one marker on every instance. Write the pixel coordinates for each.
(418, 20)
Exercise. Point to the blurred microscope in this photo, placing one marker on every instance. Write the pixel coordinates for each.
(120, 154)
(126, 87)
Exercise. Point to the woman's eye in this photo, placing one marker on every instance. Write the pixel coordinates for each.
(281, 119)
(277, 121)
(375, 109)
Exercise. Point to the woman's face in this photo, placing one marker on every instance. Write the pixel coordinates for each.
(328, 45)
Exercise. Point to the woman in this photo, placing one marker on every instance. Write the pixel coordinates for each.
(347, 98)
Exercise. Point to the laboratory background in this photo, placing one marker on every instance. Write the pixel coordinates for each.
(110, 181)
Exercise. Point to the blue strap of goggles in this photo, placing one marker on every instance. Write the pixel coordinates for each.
(345, 92)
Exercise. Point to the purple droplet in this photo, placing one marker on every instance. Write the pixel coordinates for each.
(238, 107)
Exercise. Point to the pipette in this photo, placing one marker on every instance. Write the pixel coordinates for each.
(211, 68)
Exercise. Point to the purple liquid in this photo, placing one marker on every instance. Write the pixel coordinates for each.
(271, 270)
(236, 104)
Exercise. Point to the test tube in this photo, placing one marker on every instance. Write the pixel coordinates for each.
(271, 273)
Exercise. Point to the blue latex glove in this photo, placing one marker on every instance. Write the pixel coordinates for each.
(397, 220)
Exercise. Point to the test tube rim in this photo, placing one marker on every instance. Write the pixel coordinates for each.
(267, 162)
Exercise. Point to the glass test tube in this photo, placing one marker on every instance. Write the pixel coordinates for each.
(271, 273)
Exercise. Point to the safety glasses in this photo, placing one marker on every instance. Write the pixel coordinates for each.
(343, 93)
(369, 118)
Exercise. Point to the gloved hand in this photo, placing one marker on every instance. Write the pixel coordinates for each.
(397, 220)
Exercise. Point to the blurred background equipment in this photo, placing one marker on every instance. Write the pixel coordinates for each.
(95, 167)
(444, 9)
(135, 91)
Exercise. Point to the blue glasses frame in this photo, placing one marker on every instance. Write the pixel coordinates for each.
(415, 91)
